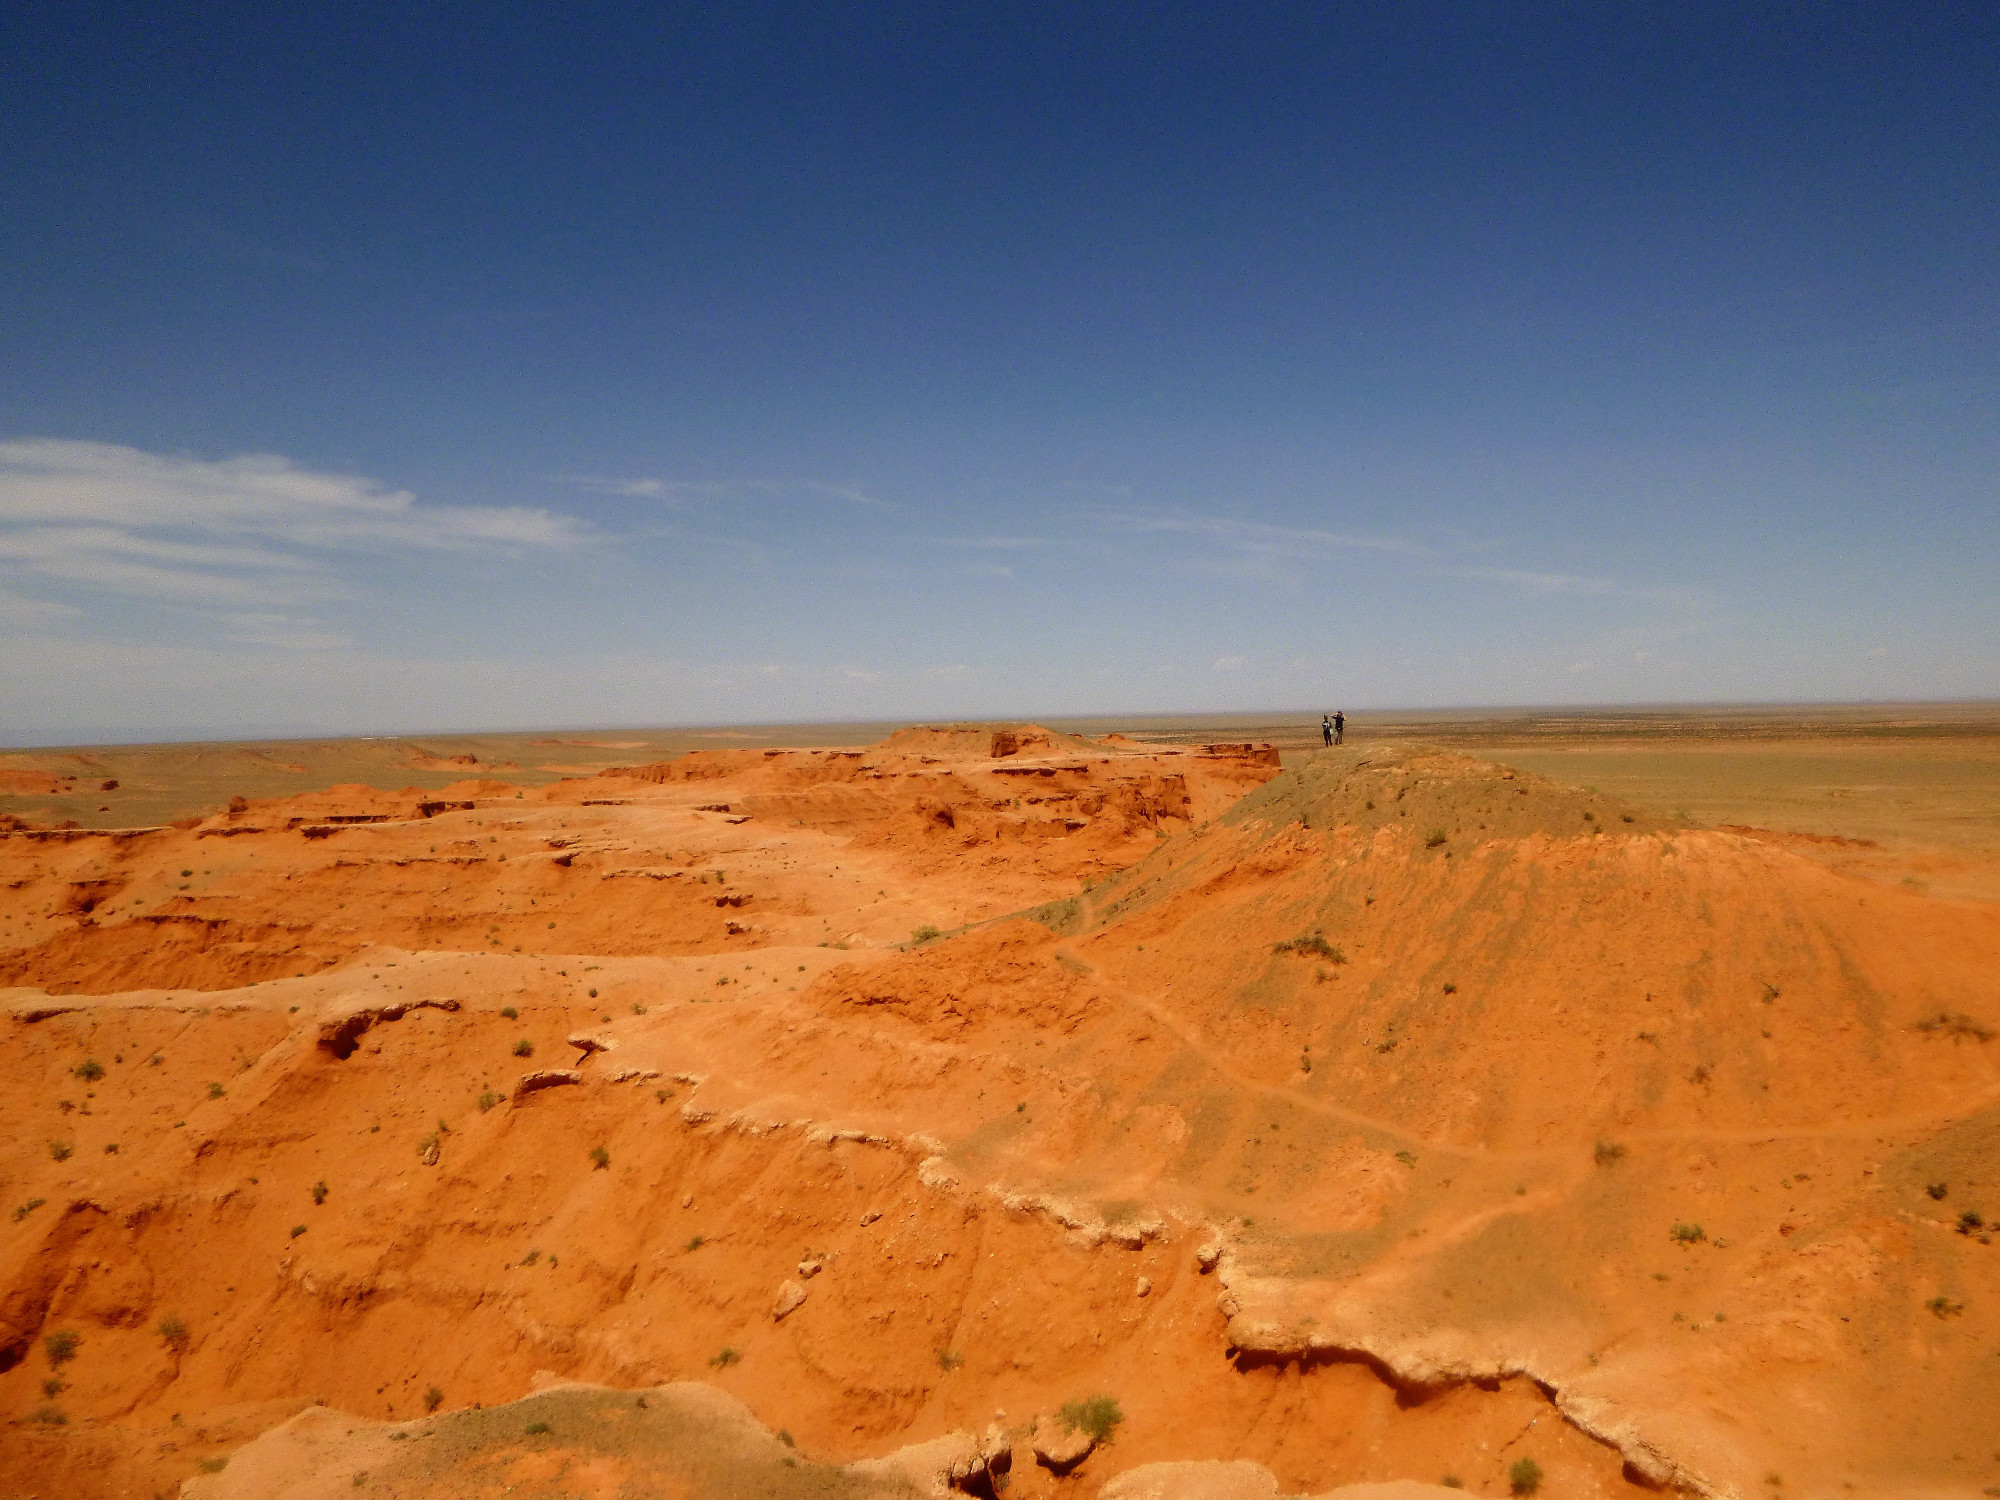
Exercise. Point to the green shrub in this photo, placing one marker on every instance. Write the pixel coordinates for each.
(724, 1358)
(697, 1242)
(1437, 836)
(319, 1192)
(524, 1048)
(60, 1150)
(1937, 1190)
(215, 1091)
(1944, 1307)
(173, 1332)
(536, 1429)
(1688, 1234)
(214, 1465)
(487, 1100)
(50, 1416)
(1311, 943)
(1096, 1416)
(1971, 1222)
(89, 1070)
(949, 1360)
(1608, 1153)
(510, 1013)
(599, 1158)
(433, 1399)
(27, 1208)
(1524, 1476)
(61, 1346)
(297, 1230)
(925, 934)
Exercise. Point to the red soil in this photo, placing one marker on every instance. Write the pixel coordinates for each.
(1427, 1060)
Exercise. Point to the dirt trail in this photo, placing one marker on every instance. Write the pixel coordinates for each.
(1418, 1115)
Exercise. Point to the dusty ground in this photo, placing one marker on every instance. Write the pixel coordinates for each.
(1396, 1116)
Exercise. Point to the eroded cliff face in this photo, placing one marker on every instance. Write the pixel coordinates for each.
(1392, 1117)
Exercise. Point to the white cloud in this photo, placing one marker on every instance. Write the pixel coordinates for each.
(19, 612)
(1228, 664)
(678, 490)
(285, 633)
(996, 543)
(1259, 539)
(241, 532)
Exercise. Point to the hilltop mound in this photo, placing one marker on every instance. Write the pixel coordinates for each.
(982, 741)
(1389, 786)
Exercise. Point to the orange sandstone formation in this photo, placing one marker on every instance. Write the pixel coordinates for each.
(1394, 1117)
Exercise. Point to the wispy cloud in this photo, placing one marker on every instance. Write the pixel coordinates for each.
(19, 612)
(1581, 584)
(285, 633)
(997, 543)
(1257, 538)
(244, 533)
(690, 490)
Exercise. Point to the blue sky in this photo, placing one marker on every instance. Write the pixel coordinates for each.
(391, 368)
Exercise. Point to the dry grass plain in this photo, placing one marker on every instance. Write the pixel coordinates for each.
(716, 1113)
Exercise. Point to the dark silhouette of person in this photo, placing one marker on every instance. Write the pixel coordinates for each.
(1326, 729)
(1339, 726)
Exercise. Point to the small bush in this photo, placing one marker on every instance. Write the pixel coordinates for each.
(52, 1388)
(949, 1360)
(510, 1013)
(1524, 1476)
(27, 1208)
(536, 1429)
(697, 1242)
(215, 1091)
(599, 1158)
(1971, 1222)
(724, 1358)
(433, 1399)
(319, 1192)
(1944, 1307)
(60, 1150)
(487, 1100)
(1451, 989)
(1956, 1025)
(1608, 1153)
(1937, 1190)
(1688, 1234)
(593, 994)
(524, 1048)
(49, 1416)
(61, 1347)
(173, 1332)
(1311, 943)
(1437, 837)
(297, 1230)
(214, 1465)
(1096, 1416)
(1452, 1482)
(925, 934)
(89, 1070)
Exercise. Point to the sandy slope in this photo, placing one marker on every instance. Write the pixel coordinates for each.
(1344, 1127)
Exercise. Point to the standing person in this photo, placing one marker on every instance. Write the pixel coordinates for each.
(1339, 726)
(1326, 729)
